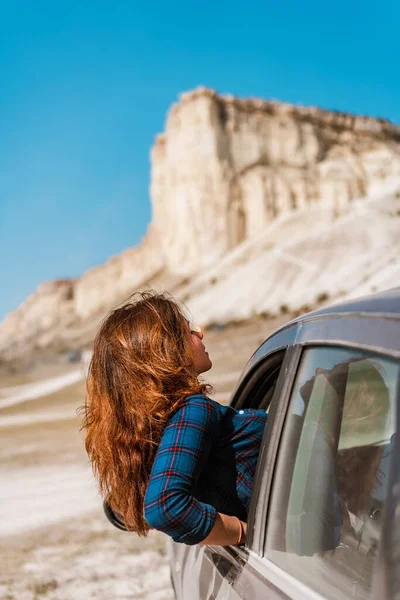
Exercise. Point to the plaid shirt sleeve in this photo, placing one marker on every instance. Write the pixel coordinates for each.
(185, 446)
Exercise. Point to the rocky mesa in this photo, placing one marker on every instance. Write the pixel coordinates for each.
(234, 183)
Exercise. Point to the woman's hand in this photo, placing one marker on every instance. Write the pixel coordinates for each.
(227, 531)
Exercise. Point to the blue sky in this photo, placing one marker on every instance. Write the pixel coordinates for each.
(85, 87)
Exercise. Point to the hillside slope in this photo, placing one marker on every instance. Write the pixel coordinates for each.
(303, 259)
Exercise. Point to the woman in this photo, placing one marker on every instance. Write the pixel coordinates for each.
(166, 456)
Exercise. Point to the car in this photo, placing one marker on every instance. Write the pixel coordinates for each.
(324, 518)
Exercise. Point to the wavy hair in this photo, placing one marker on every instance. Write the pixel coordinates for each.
(140, 373)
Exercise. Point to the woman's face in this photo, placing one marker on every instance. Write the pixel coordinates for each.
(201, 360)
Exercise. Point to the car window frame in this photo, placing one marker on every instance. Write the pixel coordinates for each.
(268, 451)
(264, 358)
(280, 343)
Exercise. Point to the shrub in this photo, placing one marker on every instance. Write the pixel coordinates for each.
(322, 297)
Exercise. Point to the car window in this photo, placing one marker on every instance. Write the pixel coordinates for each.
(258, 389)
(330, 483)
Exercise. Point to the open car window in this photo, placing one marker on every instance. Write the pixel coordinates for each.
(258, 390)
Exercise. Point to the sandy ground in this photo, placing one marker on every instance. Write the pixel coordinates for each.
(30, 391)
(55, 542)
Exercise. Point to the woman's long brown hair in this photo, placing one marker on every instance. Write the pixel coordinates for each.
(140, 372)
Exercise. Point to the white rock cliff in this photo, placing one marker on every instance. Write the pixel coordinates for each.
(226, 168)
(224, 175)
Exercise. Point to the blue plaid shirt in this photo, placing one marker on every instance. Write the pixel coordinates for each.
(205, 464)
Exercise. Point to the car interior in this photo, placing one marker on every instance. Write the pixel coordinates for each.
(260, 384)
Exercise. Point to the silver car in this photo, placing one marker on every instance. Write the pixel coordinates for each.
(324, 519)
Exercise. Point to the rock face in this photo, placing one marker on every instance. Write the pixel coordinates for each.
(223, 173)
(229, 167)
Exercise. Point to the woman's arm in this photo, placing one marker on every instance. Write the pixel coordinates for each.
(181, 458)
(227, 531)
